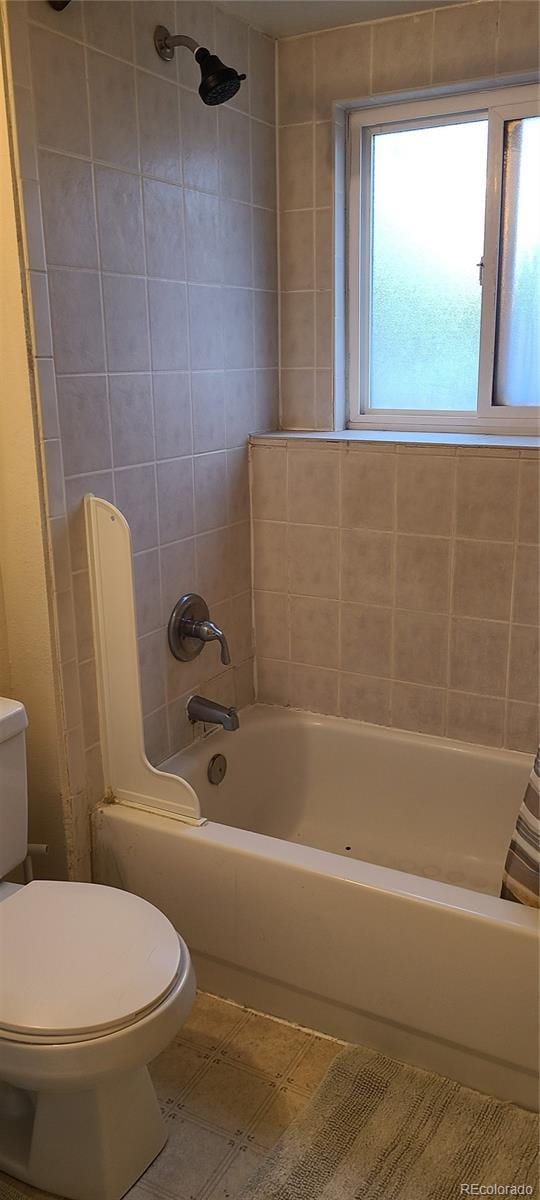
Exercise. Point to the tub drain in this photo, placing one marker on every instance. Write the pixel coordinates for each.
(217, 768)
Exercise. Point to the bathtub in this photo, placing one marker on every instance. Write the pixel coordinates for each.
(347, 878)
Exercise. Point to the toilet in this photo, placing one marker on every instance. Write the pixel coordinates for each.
(94, 983)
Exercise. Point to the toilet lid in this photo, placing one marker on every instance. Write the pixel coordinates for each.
(81, 958)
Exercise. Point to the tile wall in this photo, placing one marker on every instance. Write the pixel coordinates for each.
(399, 585)
(466, 42)
(151, 255)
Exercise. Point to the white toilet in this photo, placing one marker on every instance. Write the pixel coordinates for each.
(94, 983)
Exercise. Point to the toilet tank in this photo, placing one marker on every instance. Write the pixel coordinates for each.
(13, 795)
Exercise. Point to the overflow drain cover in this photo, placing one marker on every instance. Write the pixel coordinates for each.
(217, 768)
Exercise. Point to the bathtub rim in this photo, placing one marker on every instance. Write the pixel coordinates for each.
(416, 889)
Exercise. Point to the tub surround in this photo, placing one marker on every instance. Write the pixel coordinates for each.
(150, 247)
(398, 584)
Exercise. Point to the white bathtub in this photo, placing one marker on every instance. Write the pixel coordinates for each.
(347, 878)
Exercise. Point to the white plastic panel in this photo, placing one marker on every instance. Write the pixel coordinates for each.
(129, 776)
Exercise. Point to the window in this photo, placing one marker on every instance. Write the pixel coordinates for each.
(444, 263)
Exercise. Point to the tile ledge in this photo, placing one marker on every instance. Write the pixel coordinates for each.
(394, 437)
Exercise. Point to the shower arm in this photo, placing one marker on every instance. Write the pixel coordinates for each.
(166, 42)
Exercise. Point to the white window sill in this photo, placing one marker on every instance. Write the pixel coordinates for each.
(492, 441)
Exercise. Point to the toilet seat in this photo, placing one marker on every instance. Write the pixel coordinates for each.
(81, 960)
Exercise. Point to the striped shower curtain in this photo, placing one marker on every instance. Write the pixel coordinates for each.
(521, 876)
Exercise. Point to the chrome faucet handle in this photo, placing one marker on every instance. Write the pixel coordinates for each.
(190, 628)
(207, 631)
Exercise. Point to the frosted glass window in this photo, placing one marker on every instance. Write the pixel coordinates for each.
(428, 203)
(517, 368)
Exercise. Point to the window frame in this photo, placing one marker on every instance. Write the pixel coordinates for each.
(498, 104)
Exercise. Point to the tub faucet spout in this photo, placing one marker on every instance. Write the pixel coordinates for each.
(212, 713)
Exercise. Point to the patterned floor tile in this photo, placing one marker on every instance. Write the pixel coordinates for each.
(268, 1047)
(235, 1176)
(186, 1164)
(227, 1097)
(276, 1117)
(211, 1021)
(306, 1075)
(228, 1086)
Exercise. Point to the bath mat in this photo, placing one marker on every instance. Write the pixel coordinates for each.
(379, 1130)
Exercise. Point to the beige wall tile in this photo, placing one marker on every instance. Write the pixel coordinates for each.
(313, 487)
(483, 579)
(313, 554)
(324, 253)
(419, 708)
(313, 688)
(365, 698)
(522, 726)
(264, 249)
(517, 46)
(152, 660)
(269, 475)
(324, 163)
(366, 639)
(314, 626)
(478, 656)
(475, 719)
(367, 560)
(295, 80)
(232, 40)
(213, 566)
(297, 399)
(296, 166)
(205, 328)
(272, 681)
(297, 329)
(529, 501)
(342, 61)
(525, 608)
(524, 673)
(464, 42)
(323, 330)
(402, 53)
(425, 493)
(420, 647)
(368, 483)
(486, 497)
(266, 330)
(297, 251)
(270, 556)
(272, 625)
(423, 573)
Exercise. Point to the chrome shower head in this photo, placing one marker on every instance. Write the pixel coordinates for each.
(218, 82)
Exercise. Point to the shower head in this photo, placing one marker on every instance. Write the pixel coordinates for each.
(218, 82)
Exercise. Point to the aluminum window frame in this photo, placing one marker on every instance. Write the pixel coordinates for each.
(497, 105)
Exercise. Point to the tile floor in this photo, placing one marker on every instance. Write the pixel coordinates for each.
(229, 1085)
